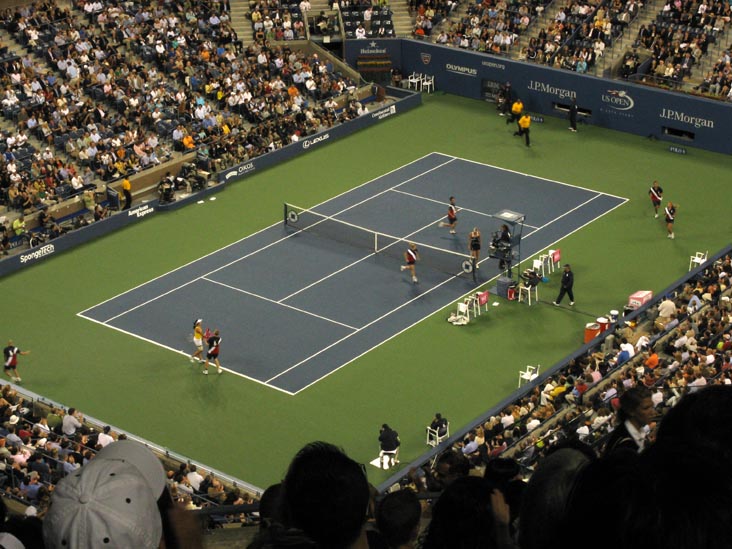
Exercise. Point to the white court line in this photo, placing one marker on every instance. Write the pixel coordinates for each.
(534, 176)
(253, 252)
(293, 294)
(400, 240)
(229, 264)
(178, 351)
(624, 201)
(460, 209)
(255, 233)
(566, 213)
(278, 303)
(388, 313)
(420, 296)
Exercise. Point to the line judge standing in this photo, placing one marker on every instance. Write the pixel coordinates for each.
(566, 286)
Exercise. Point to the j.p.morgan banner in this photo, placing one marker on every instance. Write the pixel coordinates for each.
(614, 104)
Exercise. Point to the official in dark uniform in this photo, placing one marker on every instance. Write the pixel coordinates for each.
(567, 284)
(389, 443)
(573, 115)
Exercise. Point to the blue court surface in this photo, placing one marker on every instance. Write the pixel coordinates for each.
(293, 306)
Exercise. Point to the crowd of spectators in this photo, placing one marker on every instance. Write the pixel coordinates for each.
(489, 26)
(41, 445)
(579, 34)
(678, 39)
(120, 86)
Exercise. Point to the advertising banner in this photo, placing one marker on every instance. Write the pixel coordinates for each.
(616, 104)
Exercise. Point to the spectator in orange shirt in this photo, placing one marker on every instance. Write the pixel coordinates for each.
(188, 142)
(651, 360)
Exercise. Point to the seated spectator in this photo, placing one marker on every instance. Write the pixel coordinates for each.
(468, 514)
(324, 497)
(397, 519)
(633, 421)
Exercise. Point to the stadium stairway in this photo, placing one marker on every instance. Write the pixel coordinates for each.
(241, 22)
(403, 20)
(541, 22)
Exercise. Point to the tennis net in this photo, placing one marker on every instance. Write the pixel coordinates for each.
(446, 261)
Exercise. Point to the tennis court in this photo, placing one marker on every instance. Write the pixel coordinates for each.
(294, 305)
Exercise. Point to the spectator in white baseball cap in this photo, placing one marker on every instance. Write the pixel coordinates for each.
(115, 500)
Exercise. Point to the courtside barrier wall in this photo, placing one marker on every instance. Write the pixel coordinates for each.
(526, 390)
(405, 101)
(681, 119)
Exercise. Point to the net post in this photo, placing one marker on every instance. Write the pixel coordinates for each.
(376, 242)
(475, 267)
(284, 213)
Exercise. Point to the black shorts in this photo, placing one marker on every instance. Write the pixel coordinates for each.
(671, 221)
(9, 367)
(212, 356)
(475, 246)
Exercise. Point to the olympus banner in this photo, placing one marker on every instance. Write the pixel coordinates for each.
(618, 105)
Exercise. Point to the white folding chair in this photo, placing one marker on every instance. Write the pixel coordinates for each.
(526, 291)
(434, 438)
(698, 259)
(387, 460)
(428, 83)
(538, 266)
(463, 312)
(529, 375)
(547, 263)
(414, 79)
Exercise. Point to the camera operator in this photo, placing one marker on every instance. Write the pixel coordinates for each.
(166, 188)
(502, 244)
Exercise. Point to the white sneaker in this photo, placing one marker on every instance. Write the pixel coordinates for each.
(571, 303)
(442, 224)
(403, 268)
(555, 303)
(656, 216)
(453, 231)
(414, 279)
(219, 371)
(192, 360)
(205, 372)
(671, 236)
